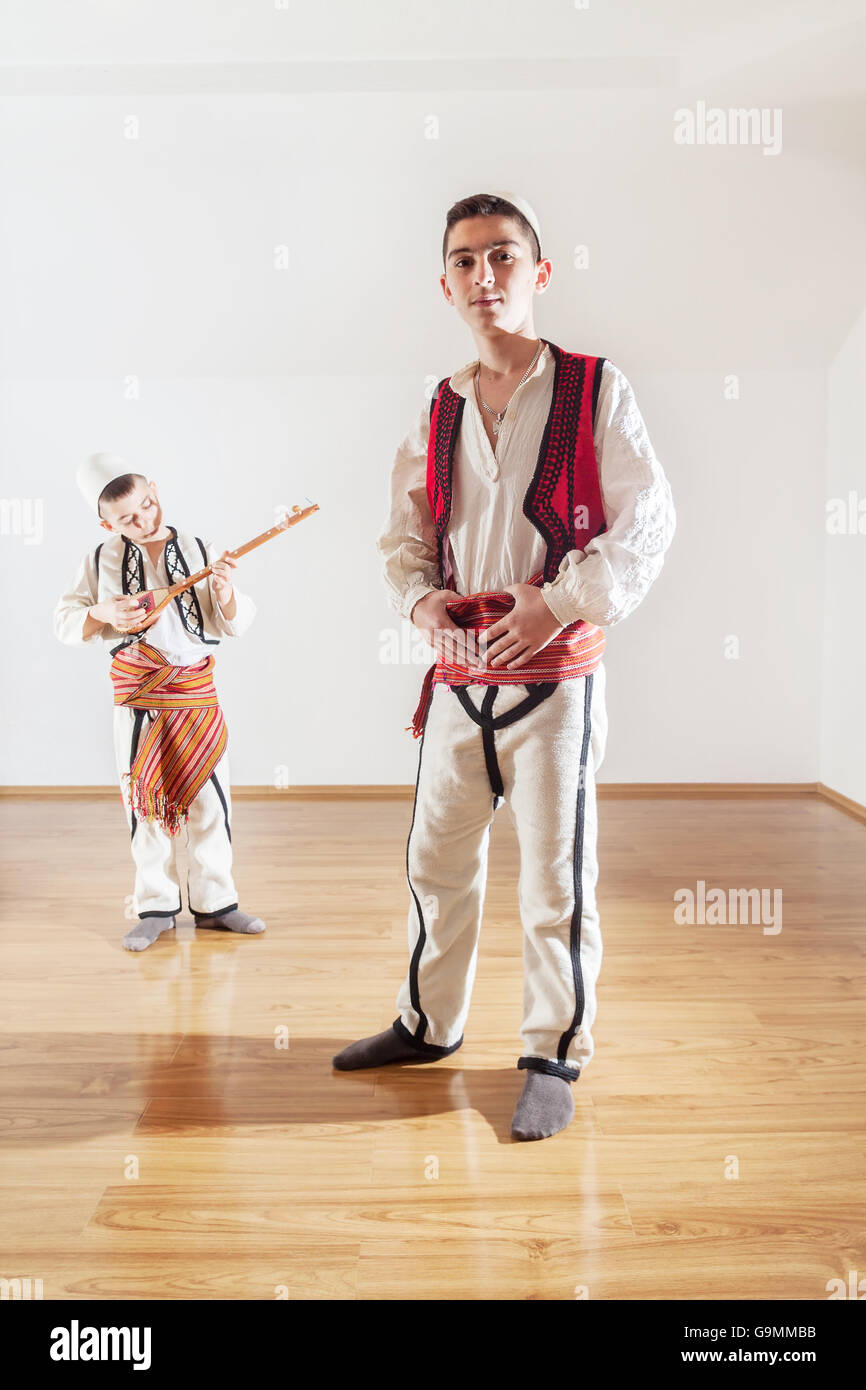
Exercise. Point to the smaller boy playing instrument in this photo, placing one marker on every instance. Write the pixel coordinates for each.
(157, 596)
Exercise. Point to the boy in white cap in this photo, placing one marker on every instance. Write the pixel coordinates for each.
(527, 507)
(173, 768)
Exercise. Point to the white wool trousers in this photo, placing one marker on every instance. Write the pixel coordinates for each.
(538, 748)
(210, 887)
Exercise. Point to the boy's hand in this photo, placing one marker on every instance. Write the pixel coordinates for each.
(513, 641)
(121, 612)
(222, 579)
(450, 642)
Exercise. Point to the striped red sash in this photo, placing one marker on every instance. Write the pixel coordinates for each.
(186, 739)
(575, 651)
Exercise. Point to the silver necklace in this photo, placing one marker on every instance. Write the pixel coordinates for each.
(499, 415)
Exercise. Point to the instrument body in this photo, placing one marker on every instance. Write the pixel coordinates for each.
(153, 601)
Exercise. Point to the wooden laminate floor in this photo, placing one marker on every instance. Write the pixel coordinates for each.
(157, 1144)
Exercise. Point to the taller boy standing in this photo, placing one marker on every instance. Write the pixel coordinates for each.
(527, 506)
(169, 733)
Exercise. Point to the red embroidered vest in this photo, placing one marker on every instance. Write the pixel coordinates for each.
(563, 500)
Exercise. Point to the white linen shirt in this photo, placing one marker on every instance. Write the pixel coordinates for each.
(490, 543)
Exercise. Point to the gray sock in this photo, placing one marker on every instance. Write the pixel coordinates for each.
(231, 921)
(545, 1107)
(377, 1052)
(145, 932)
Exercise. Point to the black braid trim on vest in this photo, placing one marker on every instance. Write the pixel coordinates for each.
(447, 426)
(131, 569)
(131, 582)
(176, 568)
(558, 445)
(434, 398)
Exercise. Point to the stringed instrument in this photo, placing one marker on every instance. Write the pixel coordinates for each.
(153, 601)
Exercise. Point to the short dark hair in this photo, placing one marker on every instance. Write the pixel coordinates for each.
(488, 205)
(117, 488)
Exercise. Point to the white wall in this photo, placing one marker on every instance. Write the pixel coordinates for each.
(843, 670)
(153, 258)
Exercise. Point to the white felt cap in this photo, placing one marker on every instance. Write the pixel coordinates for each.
(96, 472)
(522, 206)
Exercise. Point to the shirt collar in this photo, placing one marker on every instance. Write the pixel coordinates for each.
(461, 381)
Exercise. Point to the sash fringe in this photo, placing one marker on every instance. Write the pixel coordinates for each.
(149, 805)
(419, 719)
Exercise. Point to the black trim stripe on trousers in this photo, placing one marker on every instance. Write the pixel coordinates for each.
(133, 749)
(561, 1067)
(220, 911)
(221, 795)
(416, 1039)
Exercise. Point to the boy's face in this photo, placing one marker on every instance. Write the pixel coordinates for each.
(137, 516)
(491, 274)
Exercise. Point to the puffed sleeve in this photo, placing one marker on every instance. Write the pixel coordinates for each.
(72, 607)
(605, 582)
(246, 609)
(407, 542)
